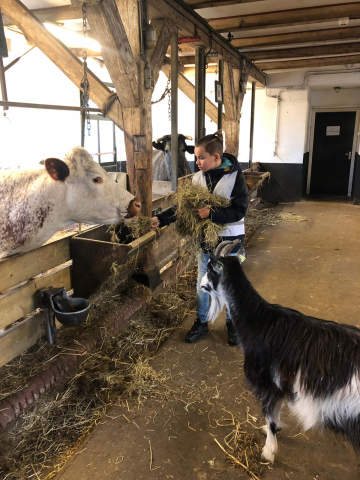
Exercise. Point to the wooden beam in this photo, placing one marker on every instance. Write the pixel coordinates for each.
(191, 70)
(52, 14)
(310, 62)
(286, 17)
(189, 89)
(109, 31)
(158, 56)
(343, 48)
(56, 51)
(216, 3)
(298, 37)
(190, 22)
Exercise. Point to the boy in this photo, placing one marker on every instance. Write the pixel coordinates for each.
(220, 173)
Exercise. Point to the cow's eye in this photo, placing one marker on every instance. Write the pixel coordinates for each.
(98, 180)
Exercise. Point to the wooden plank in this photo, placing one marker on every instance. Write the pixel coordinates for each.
(216, 3)
(189, 89)
(21, 301)
(108, 29)
(189, 21)
(297, 16)
(60, 55)
(311, 62)
(21, 339)
(20, 268)
(229, 92)
(340, 49)
(347, 33)
(53, 14)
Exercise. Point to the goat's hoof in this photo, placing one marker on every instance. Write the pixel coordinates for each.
(267, 456)
(264, 430)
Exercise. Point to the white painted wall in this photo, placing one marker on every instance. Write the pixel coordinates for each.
(285, 146)
(327, 97)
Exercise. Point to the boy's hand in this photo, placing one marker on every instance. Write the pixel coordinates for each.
(203, 212)
(155, 222)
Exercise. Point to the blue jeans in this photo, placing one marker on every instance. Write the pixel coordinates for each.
(203, 297)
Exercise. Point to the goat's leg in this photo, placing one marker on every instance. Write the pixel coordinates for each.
(276, 414)
(272, 417)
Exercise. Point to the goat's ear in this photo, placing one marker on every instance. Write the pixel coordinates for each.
(158, 145)
(190, 149)
(57, 169)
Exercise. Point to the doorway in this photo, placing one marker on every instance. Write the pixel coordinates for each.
(331, 162)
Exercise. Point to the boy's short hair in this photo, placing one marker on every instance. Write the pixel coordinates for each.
(212, 143)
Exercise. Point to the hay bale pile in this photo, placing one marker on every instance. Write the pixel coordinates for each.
(188, 223)
(121, 233)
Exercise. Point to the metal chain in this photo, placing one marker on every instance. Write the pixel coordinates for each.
(85, 82)
(167, 91)
(169, 96)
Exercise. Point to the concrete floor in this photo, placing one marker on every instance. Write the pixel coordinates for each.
(312, 266)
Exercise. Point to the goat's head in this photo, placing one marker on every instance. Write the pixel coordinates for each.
(218, 268)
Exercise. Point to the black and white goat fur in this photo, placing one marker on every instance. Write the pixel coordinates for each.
(312, 364)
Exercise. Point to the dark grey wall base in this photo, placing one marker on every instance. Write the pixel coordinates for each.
(285, 184)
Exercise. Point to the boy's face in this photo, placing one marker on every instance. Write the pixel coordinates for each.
(205, 161)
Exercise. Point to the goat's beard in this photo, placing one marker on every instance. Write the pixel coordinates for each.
(216, 305)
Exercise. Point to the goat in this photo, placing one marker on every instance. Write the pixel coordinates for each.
(312, 364)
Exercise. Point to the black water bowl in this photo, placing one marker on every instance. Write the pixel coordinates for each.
(70, 311)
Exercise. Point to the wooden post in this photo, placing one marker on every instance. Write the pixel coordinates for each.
(220, 104)
(199, 92)
(252, 125)
(234, 90)
(3, 84)
(174, 110)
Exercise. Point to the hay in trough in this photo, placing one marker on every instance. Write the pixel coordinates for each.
(121, 233)
(189, 224)
(49, 433)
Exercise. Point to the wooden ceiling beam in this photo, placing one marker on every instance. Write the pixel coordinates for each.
(60, 55)
(216, 3)
(344, 33)
(53, 14)
(286, 17)
(337, 49)
(194, 25)
(310, 62)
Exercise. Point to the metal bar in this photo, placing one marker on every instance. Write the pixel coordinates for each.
(199, 93)
(3, 84)
(220, 104)
(252, 125)
(174, 110)
(14, 62)
(47, 107)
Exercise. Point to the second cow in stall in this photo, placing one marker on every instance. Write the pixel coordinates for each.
(162, 158)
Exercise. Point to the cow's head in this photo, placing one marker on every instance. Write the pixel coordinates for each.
(91, 194)
(164, 144)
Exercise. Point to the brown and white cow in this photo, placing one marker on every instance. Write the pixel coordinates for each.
(34, 204)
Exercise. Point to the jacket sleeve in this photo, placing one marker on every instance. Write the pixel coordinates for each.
(239, 204)
(167, 216)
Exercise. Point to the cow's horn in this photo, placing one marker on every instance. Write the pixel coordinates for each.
(159, 139)
(188, 137)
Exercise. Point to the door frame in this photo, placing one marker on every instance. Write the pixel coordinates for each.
(313, 112)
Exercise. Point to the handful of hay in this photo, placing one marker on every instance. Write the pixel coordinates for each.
(188, 223)
(121, 233)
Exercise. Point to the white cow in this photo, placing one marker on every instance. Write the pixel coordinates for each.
(34, 204)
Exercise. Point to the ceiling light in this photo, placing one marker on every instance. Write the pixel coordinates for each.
(343, 21)
(337, 89)
(72, 39)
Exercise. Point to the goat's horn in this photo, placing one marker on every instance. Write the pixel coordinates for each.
(220, 247)
(188, 137)
(159, 139)
(229, 248)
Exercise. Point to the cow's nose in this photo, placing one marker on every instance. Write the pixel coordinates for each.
(134, 208)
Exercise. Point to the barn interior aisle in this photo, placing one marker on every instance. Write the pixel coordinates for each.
(201, 396)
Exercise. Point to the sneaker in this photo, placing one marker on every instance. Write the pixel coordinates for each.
(233, 338)
(196, 331)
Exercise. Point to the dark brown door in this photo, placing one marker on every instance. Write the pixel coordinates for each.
(331, 160)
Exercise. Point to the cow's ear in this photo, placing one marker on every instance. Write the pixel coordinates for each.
(190, 149)
(57, 169)
(158, 145)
